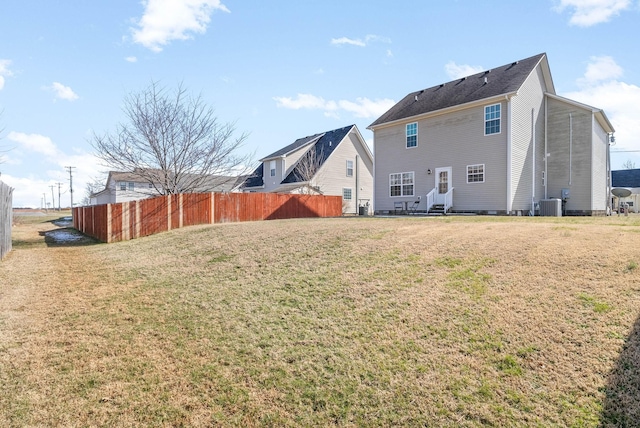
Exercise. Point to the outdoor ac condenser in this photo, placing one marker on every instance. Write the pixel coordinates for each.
(551, 207)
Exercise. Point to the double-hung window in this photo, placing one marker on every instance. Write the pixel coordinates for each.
(123, 185)
(475, 173)
(130, 185)
(412, 135)
(349, 168)
(272, 168)
(401, 184)
(492, 119)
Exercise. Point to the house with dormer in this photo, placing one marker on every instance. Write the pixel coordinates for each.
(496, 142)
(336, 163)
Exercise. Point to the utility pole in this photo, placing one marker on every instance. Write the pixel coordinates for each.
(71, 168)
(44, 198)
(53, 199)
(59, 207)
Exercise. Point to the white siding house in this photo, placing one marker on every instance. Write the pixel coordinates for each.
(496, 142)
(336, 162)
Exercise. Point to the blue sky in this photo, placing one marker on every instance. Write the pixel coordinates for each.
(283, 69)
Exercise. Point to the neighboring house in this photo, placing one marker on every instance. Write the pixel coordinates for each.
(336, 162)
(627, 179)
(496, 142)
(131, 186)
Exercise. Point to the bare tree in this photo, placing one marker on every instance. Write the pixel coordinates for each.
(95, 185)
(307, 169)
(629, 164)
(173, 141)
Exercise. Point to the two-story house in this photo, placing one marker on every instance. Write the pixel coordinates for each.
(336, 162)
(496, 142)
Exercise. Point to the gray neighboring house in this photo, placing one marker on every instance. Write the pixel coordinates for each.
(131, 186)
(496, 142)
(336, 162)
(627, 179)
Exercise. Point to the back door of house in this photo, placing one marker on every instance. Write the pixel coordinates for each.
(443, 183)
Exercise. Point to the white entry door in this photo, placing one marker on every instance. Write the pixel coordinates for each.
(443, 183)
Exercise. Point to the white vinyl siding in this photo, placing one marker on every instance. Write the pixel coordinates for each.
(401, 184)
(412, 135)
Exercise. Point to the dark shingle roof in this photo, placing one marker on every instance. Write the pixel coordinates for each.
(323, 148)
(255, 179)
(293, 146)
(502, 80)
(625, 178)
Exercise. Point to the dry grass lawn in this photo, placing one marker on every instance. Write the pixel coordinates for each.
(450, 321)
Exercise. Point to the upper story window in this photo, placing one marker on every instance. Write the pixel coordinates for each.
(475, 173)
(349, 168)
(272, 168)
(123, 185)
(492, 119)
(412, 134)
(130, 185)
(401, 184)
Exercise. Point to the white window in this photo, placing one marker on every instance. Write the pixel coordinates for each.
(123, 185)
(272, 168)
(349, 168)
(130, 185)
(475, 173)
(492, 119)
(150, 185)
(412, 135)
(346, 194)
(401, 184)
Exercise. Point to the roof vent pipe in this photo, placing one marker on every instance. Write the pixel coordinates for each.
(485, 81)
(415, 98)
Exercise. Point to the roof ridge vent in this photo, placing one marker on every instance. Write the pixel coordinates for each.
(516, 63)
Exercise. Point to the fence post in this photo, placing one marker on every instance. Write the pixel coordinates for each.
(109, 225)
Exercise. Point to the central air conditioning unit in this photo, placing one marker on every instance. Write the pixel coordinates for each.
(551, 207)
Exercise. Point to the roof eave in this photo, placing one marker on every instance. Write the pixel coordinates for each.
(457, 107)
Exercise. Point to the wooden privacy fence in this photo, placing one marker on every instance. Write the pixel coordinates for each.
(130, 220)
(6, 218)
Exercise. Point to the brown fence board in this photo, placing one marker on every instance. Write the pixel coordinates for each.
(130, 220)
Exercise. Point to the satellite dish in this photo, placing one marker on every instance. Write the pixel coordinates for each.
(621, 192)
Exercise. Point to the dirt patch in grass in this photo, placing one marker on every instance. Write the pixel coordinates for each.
(359, 321)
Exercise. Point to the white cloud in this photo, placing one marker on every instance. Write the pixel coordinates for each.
(586, 13)
(34, 143)
(131, 59)
(4, 71)
(63, 92)
(360, 42)
(601, 88)
(456, 71)
(361, 107)
(166, 20)
(601, 68)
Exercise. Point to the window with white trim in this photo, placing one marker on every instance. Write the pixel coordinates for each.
(401, 184)
(130, 185)
(346, 193)
(492, 116)
(475, 173)
(349, 168)
(123, 185)
(412, 135)
(272, 168)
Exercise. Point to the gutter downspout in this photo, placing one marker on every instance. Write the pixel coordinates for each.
(570, 145)
(533, 166)
(546, 154)
(357, 185)
(509, 199)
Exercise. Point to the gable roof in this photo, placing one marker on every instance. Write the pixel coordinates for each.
(599, 114)
(207, 183)
(321, 150)
(625, 178)
(323, 145)
(499, 81)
